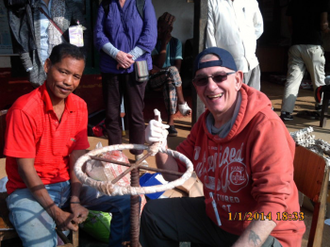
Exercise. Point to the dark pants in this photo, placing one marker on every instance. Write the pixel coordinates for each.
(114, 86)
(166, 222)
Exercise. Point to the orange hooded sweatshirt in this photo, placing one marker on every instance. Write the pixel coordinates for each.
(249, 173)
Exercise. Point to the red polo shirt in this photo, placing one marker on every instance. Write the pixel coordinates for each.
(33, 131)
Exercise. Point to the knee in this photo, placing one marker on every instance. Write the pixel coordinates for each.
(149, 209)
(173, 70)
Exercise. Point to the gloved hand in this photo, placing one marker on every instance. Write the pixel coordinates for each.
(156, 132)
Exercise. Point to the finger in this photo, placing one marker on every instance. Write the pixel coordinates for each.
(160, 125)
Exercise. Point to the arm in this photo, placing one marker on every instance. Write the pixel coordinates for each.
(258, 22)
(255, 234)
(33, 182)
(79, 212)
(148, 37)
(164, 161)
(324, 25)
(272, 178)
(210, 28)
(159, 59)
(178, 63)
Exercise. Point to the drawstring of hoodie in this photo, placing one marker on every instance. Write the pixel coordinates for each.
(206, 179)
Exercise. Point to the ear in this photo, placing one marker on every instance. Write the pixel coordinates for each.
(47, 65)
(238, 80)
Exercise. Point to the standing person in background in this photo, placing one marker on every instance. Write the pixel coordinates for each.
(40, 25)
(307, 21)
(123, 35)
(165, 73)
(235, 25)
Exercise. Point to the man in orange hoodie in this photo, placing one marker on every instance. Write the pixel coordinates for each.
(243, 154)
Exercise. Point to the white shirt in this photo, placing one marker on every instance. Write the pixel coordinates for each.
(235, 26)
(44, 25)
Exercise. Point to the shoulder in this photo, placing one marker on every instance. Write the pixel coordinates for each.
(29, 102)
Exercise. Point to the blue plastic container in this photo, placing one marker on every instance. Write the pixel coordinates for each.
(149, 179)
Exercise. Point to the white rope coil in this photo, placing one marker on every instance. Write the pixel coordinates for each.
(108, 188)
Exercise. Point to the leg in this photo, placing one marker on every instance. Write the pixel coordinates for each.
(295, 74)
(175, 80)
(118, 206)
(134, 105)
(315, 63)
(166, 222)
(33, 224)
(112, 99)
(159, 82)
(252, 78)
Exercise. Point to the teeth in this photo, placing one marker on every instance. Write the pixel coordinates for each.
(215, 96)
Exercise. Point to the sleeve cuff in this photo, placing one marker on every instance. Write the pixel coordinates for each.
(109, 49)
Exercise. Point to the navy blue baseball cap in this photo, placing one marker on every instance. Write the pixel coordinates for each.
(225, 59)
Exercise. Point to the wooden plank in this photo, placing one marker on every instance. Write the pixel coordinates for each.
(321, 215)
(308, 166)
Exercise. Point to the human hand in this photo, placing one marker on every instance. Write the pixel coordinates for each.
(64, 221)
(79, 212)
(156, 132)
(124, 60)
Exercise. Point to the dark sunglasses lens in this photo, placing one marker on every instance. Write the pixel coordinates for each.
(219, 78)
(201, 81)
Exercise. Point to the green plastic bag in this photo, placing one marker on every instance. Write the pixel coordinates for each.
(97, 225)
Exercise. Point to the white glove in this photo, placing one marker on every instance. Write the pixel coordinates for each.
(156, 132)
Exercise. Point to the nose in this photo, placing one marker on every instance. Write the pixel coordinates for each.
(211, 83)
(69, 80)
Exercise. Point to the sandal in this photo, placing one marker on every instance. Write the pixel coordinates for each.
(311, 115)
(184, 109)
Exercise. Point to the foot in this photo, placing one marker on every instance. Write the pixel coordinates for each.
(184, 109)
(138, 157)
(172, 131)
(286, 116)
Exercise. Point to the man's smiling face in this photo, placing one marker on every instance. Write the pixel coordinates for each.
(63, 77)
(219, 97)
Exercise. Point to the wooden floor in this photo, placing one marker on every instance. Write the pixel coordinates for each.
(305, 101)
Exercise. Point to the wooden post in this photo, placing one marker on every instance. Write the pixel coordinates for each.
(200, 20)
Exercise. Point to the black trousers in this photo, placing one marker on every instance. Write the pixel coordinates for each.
(166, 222)
(114, 86)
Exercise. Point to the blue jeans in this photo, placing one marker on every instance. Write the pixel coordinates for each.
(36, 228)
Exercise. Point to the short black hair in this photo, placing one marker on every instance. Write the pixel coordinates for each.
(66, 50)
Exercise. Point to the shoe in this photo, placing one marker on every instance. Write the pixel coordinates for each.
(311, 115)
(172, 131)
(318, 108)
(184, 109)
(286, 116)
(138, 157)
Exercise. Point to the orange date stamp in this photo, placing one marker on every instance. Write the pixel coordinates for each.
(279, 216)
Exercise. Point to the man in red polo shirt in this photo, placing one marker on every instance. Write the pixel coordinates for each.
(46, 133)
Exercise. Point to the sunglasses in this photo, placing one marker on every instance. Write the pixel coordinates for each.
(217, 78)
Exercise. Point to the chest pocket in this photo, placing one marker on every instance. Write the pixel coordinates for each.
(63, 141)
